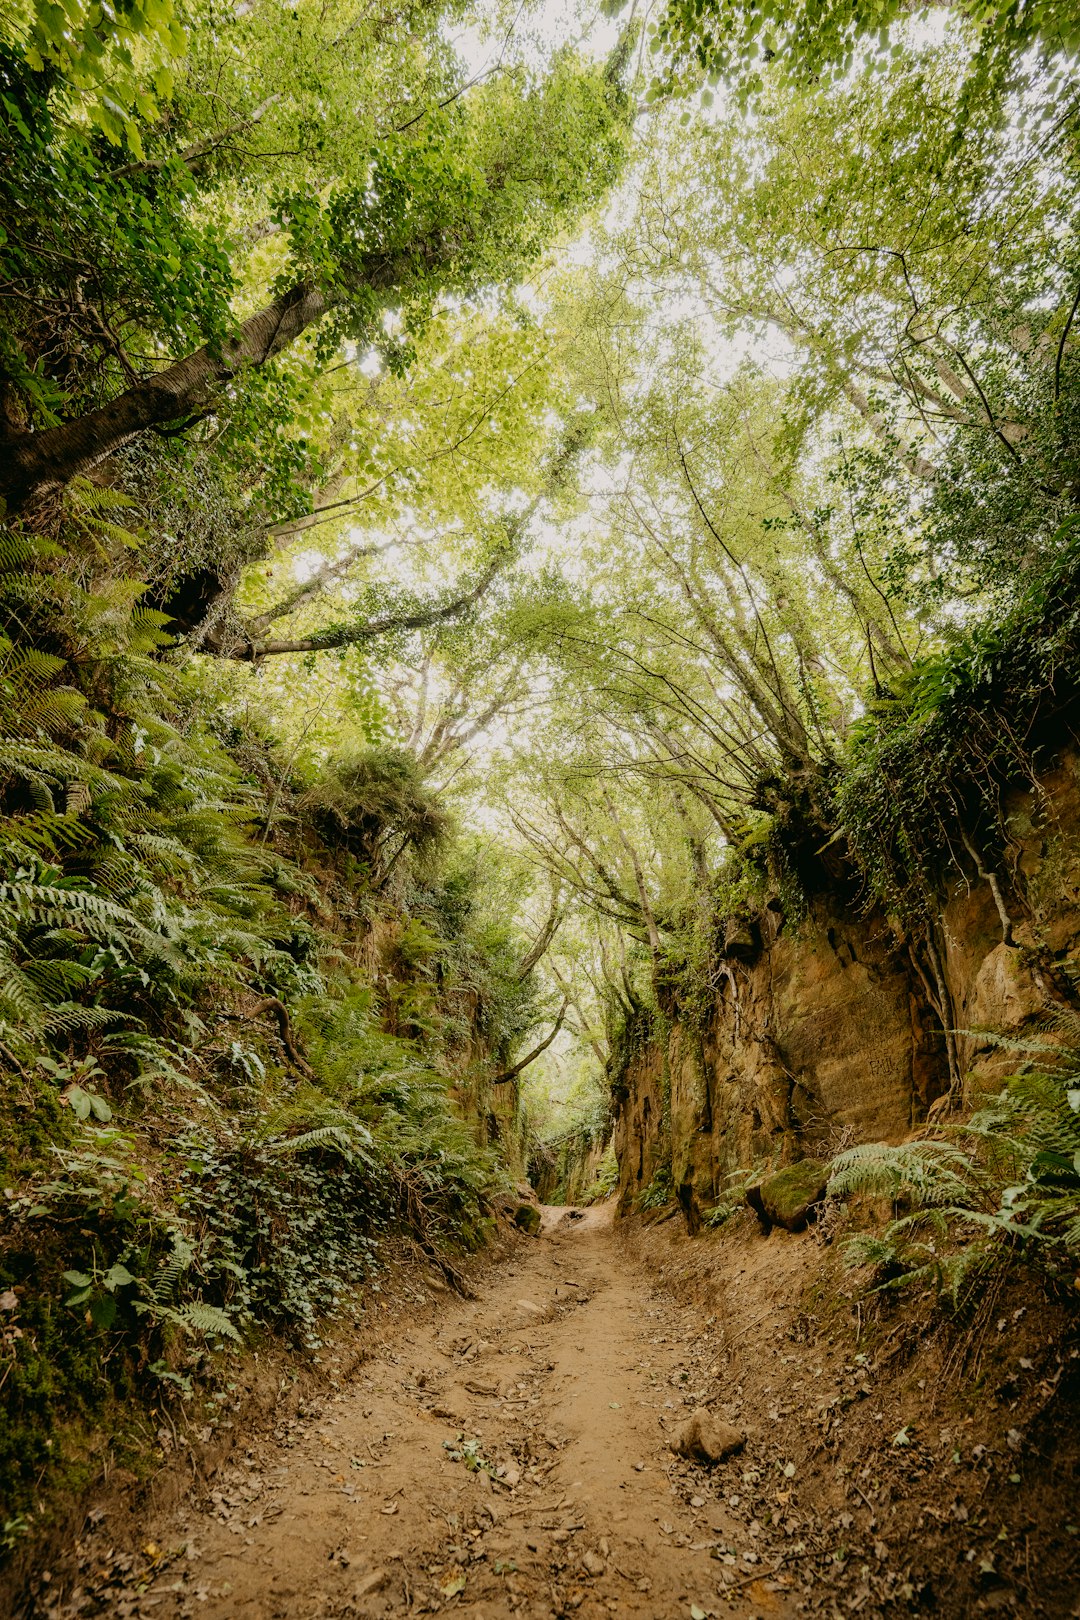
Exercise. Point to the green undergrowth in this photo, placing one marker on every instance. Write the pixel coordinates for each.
(731, 1195)
(232, 999)
(659, 1191)
(998, 1188)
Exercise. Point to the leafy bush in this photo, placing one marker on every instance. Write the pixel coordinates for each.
(376, 806)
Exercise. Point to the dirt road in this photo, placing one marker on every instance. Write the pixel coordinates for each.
(509, 1459)
(508, 1455)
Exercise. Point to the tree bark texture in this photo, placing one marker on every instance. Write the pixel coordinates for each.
(38, 462)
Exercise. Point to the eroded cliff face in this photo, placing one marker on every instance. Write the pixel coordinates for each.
(829, 1031)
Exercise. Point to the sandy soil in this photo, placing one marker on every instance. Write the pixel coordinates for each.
(508, 1455)
(509, 1459)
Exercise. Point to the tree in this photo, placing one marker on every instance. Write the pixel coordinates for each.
(460, 197)
(801, 43)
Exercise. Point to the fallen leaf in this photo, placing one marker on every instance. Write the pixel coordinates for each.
(454, 1586)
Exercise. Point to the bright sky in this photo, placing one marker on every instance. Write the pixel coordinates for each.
(530, 33)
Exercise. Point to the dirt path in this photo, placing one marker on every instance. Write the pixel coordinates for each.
(510, 1459)
(508, 1455)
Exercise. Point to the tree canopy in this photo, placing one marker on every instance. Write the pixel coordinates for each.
(488, 501)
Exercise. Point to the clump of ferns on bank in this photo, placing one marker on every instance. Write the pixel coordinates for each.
(1004, 1184)
(212, 1128)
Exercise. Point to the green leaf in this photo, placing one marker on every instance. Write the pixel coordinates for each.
(103, 1310)
(78, 1101)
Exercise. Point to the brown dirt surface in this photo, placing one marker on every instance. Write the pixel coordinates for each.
(508, 1455)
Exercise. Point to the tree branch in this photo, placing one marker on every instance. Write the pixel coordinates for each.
(530, 1057)
(250, 651)
(543, 938)
(56, 455)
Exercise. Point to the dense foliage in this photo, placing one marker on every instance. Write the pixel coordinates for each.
(484, 519)
(233, 998)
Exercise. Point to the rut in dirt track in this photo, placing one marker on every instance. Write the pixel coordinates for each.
(510, 1459)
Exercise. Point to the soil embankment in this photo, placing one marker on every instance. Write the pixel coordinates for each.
(509, 1455)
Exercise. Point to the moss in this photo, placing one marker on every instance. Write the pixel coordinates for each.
(787, 1198)
(527, 1216)
(60, 1378)
(34, 1122)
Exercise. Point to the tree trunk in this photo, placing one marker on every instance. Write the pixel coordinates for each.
(36, 462)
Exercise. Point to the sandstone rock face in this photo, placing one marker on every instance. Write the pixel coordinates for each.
(639, 1110)
(824, 1034)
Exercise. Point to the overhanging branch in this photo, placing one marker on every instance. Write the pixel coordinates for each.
(531, 1057)
(250, 650)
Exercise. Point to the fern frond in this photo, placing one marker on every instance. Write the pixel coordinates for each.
(172, 1269)
(923, 1173)
(351, 1140)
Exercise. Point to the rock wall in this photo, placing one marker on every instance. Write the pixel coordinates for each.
(826, 1033)
(566, 1172)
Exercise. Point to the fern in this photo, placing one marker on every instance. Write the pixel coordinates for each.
(344, 1138)
(172, 1270)
(1013, 1187)
(923, 1174)
(210, 1321)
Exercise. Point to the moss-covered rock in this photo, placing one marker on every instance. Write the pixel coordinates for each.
(790, 1197)
(527, 1216)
